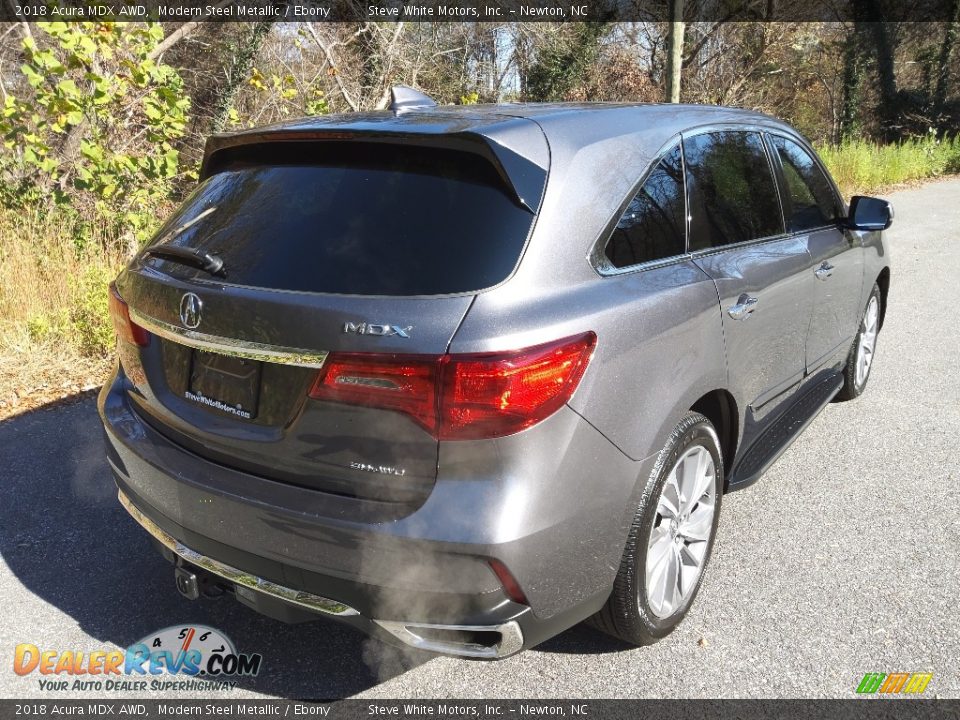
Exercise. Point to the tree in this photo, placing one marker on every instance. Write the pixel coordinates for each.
(564, 63)
(946, 57)
(675, 53)
(243, 56)
(853, 73)
(93, 87)
(890, 104)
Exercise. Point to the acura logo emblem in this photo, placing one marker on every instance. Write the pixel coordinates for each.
(190, 306)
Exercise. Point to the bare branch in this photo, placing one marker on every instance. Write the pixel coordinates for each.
(177, 35)
(24, 25)
(333, 67)
(8, 31)
(391, 56)
(170, 40)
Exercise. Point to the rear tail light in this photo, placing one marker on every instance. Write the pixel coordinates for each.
(461, 397)
(407, 384)
(126, 329)
(492, 395)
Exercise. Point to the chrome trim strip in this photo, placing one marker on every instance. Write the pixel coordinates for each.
(229, 346)
(606, 269)
(238, 577)
(511, 638)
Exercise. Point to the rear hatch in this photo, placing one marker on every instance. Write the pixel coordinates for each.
(329, 249)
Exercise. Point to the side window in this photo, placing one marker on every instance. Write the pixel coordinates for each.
(653, 225)
(812, 200)
(731, 189)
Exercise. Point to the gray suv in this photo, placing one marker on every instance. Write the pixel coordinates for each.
(463, 377)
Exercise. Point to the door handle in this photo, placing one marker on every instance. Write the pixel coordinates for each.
(824, 271)
(744, 307)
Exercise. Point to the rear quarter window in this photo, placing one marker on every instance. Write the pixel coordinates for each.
(653, 227)
(354, 218)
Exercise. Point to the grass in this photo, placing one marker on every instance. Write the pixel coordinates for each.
(55, 334)
(860, 166)
(56, 338)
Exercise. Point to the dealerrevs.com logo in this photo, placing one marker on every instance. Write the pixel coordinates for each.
(180, 657)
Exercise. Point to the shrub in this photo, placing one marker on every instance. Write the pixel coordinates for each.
(90, 328)
(861, 166)
(89, 128)
(53, 295)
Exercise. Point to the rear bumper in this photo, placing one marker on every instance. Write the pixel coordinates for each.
(487, 642)
(413, 580)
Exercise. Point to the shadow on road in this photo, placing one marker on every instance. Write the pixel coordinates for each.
(68, 541)
(583, 640)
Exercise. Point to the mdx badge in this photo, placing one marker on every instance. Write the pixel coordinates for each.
(190, 307)
(375, 329)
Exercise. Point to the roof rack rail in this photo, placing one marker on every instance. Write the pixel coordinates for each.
(403, 97)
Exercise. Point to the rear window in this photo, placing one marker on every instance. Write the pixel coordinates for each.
(354, 218)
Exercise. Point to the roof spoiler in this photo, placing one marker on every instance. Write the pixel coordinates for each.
(403, 97)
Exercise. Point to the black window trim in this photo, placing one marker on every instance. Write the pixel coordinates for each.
(601, 264)
(597, 256)
(781, 179)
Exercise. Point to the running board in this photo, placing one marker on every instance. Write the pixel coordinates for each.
(778, 437)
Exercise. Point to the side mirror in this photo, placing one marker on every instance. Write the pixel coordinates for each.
(869, 213)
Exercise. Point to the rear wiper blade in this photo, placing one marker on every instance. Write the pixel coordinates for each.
(208, 262)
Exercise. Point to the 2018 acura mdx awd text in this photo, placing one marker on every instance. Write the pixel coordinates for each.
(463, 377)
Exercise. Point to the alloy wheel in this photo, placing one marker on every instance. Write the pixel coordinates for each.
(868, 340)
(680, 537)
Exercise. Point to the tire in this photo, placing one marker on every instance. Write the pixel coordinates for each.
(854, 382)
(631, 613)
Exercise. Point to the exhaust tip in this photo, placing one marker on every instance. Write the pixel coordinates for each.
(485, 642)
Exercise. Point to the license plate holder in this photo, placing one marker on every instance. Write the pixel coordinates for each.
(230, 385)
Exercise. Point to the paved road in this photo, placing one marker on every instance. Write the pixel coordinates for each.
(842, 560)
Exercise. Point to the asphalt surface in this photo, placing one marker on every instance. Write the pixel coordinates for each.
(843, 559)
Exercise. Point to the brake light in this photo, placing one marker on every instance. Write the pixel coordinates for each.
(486, 396)
(407, 384)
(126, 329)
(461, 397)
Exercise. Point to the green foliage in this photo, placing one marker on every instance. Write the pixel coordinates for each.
(92, 127)
(863, 166)
(242, 53)
(89, 324)
(43, 327)
(85, 326)
(564, 64)
(285, 94)
(316, 103)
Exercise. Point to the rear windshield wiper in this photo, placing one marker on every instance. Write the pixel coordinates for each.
(208, 262)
